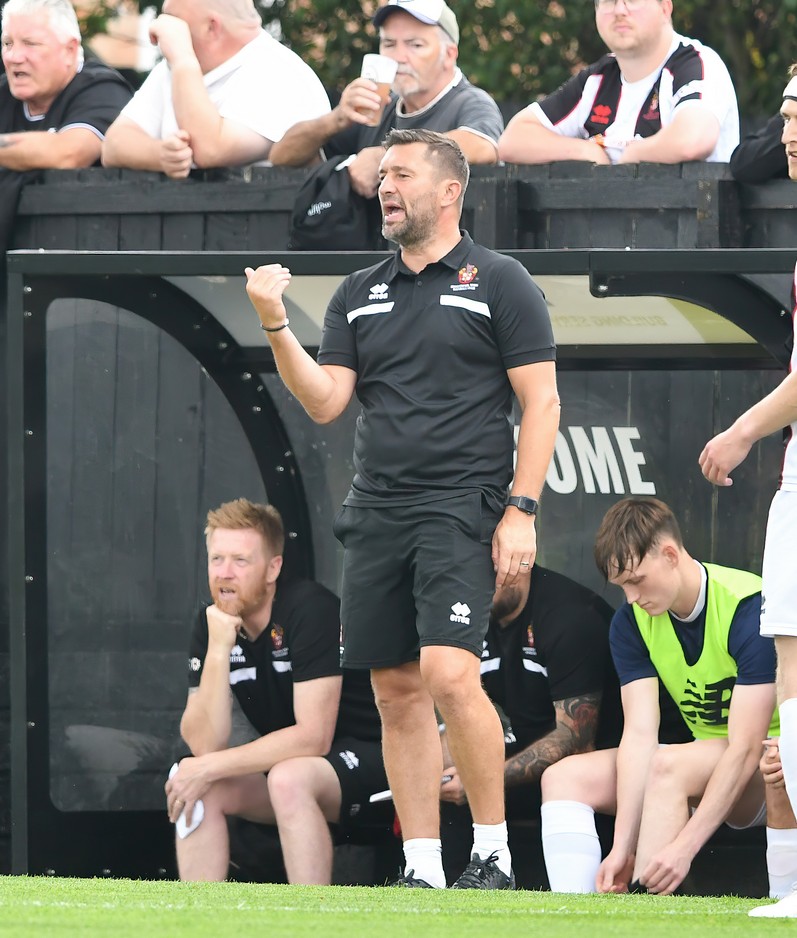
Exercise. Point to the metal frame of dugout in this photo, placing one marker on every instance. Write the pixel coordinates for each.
(722, 309)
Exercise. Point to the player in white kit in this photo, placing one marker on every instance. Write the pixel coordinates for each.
(721, 455)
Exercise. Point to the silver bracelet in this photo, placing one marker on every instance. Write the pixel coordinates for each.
(279, 328)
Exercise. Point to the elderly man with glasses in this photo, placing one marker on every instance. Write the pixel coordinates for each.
(656, 97)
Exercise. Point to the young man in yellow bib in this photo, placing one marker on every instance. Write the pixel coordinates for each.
(694, 627)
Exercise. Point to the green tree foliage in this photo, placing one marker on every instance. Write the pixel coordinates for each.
(521, 49)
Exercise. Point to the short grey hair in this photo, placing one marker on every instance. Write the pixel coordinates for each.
(60, 13)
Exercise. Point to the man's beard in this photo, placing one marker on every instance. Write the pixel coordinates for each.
(505, 604)
(237, 604)
(416, 229)
(406, 83)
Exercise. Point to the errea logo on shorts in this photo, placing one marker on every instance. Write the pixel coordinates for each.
(379, 291)
(350, 760)
(460, 612)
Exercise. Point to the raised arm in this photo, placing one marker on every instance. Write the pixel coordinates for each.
(323, 390)
(358, 103)
(207, 719)
(215, 140)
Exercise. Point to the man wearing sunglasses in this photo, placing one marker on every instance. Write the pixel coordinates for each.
(656, 97)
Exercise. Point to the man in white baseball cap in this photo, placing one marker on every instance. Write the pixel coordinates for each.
(429, 92)
(431, 12)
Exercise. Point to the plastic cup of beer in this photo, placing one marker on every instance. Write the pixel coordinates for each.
(382, 70)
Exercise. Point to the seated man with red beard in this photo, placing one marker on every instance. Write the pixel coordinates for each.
(274, 645)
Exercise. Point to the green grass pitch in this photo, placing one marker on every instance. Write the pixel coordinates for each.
(68, 908)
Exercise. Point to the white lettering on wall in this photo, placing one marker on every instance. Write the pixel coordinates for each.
(562, 476)
(632, 460)
(597, 460)
(602, 459)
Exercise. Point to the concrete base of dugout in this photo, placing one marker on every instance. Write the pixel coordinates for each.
(731, 863)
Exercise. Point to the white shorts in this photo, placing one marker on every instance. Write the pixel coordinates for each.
(779, 592)
(759, 820)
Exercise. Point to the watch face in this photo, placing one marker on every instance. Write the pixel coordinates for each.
(523, 503)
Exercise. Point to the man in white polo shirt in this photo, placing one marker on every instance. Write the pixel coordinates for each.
(225, 92)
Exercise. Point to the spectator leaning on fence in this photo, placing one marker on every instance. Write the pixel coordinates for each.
(273, 644)
(54, 107)
(225, 92)
(657, 97)
(429, 92)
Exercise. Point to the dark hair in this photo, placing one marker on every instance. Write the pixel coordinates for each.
(241, 515)
(446, 152)
(628, 532)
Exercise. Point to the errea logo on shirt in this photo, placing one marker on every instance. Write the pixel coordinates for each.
(379, 291)
(460, 612)
(237, 655)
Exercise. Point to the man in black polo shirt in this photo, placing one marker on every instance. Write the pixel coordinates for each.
(275, 645)
(433, 341)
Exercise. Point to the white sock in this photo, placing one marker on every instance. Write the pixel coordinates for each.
(781, 861)
(570, 846)
(788, 748)
(424, 859)
(492, 838)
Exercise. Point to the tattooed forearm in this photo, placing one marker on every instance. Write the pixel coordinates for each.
(576, 723)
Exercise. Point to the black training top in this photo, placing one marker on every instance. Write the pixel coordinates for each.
(93, 100)
(431, 352)
(556, 648)
(302, 642)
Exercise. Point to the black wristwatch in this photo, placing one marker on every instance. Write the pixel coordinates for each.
(528, 506)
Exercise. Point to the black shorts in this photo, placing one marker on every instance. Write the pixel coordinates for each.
(361, 773)
(415, 575)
